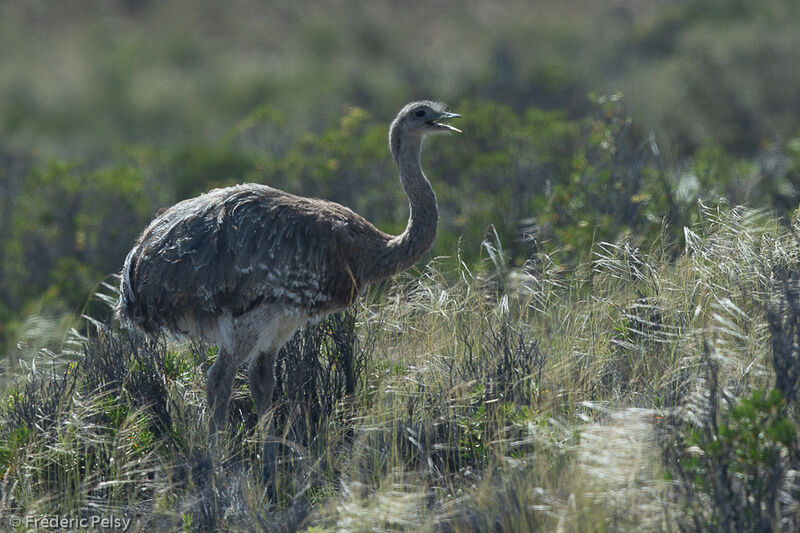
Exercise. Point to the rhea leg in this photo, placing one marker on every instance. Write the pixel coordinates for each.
(257, 335)
(276, 330)
(219, 388)
(261, 376)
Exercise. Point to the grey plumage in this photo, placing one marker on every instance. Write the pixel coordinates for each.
(245, 266)
(234, 248)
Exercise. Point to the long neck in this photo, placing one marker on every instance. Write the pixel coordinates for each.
(405, 249)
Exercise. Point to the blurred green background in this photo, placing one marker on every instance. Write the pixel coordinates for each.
(583, 121)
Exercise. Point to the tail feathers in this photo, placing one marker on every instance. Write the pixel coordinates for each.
(126, 287)
(126, 307)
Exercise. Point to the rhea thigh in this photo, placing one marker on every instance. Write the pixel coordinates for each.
(277, 328)
(238, 339)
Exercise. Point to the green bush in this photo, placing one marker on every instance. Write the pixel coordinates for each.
(738, 464)
(540, 181)
(69, 229)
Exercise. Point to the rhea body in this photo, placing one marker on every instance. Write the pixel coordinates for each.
(244, 267)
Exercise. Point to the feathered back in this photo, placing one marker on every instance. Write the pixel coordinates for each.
(234, 248)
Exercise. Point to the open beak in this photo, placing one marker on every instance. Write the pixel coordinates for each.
(446, 127)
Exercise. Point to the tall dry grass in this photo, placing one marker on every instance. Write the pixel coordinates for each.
(556, 397)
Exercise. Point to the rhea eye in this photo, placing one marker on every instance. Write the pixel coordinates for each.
(420, 112)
